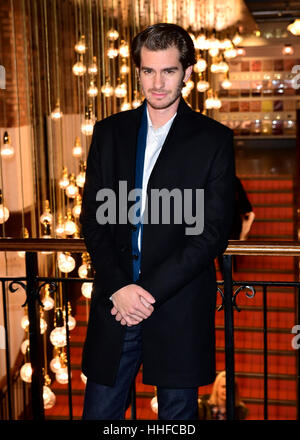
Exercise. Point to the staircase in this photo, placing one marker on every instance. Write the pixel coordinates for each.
(272, 200)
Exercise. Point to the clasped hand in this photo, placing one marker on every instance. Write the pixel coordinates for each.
(132, 304)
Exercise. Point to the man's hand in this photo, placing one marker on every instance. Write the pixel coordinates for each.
(132, 304)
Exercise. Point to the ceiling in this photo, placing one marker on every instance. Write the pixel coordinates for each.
(274, 10)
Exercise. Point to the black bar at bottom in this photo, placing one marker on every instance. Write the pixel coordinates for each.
(229, 338)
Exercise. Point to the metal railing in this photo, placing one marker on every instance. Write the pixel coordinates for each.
(32, 284)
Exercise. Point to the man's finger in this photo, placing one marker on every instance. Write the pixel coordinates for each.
(146, 295)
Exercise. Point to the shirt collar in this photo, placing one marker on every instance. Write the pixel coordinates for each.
(163, 128)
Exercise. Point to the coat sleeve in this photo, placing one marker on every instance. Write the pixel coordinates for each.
(198, 251)
(98, 238)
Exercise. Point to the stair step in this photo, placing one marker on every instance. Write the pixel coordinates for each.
(273, 212)
(271, 197)
(267, 184)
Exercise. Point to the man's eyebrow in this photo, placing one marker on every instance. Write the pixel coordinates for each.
(166, 68)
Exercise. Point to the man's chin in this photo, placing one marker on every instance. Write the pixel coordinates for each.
(162, 105)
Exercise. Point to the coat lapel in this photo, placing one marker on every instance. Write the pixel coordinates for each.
(126, 145)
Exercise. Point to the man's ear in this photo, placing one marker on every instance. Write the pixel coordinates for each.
(188, 72)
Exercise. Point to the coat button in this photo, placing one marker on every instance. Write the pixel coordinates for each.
(134, 227)
(123, 248)
(135, 256)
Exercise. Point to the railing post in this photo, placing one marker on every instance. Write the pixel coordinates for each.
(229, 338)
(35, 339)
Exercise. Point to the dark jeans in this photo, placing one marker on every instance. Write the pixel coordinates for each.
(103, 402)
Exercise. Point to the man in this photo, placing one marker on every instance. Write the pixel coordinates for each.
(155, 287)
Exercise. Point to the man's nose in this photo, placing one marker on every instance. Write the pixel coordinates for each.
(158, 82)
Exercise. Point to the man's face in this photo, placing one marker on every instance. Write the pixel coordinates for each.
(162, 76)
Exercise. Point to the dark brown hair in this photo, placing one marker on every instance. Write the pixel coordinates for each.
(161, 36)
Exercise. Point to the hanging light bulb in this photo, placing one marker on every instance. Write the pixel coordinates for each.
(212, 43)
(62, 375)
(83, 269)
(77, 148)
(230, 53)
(240, 52)
(225, 44)
(112, 52)
(71, 319)
(213, 51)
(200, 66)
(226, 83)
(60, 229)
(124, 69)
(237, 39)
(77, 207)
(48, 301)
(93, 68)
(7, 150)
(4, 212)
(66, 262)
(64, 181)
(121, 90)
(26, 372)
(219, 67)
(125, 106)
(88, 125)
(294, 27)
(79, 68)
(212, 101)
(124, 49)
(56, 113)
(112, 34)
(287, 50)
(185, 91)
(80, 179)
(107, 89)
(58, 336)
(49, 397)
(46, 216)
(201, 42)
(55, 364)
(80, 46)
(72, 190)
(86, 289)
(202, 85)
(25, 322)
(69, 225)
(24, 346)
(92, 90)
(43, 325)
(190, 84)
(136, 101)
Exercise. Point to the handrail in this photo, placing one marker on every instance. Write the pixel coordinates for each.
(235, 247)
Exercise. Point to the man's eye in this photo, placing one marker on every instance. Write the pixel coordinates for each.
(169, 71)
(147, 72)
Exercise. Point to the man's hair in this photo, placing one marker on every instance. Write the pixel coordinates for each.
(161, 36)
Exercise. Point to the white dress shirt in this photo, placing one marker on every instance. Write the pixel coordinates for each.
(155, 140)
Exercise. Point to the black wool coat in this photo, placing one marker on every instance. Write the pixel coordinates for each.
(177, 269)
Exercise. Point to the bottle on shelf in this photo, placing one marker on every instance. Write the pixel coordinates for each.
(277, 125)
(289, 125)
(266, 128)
(255, 129)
